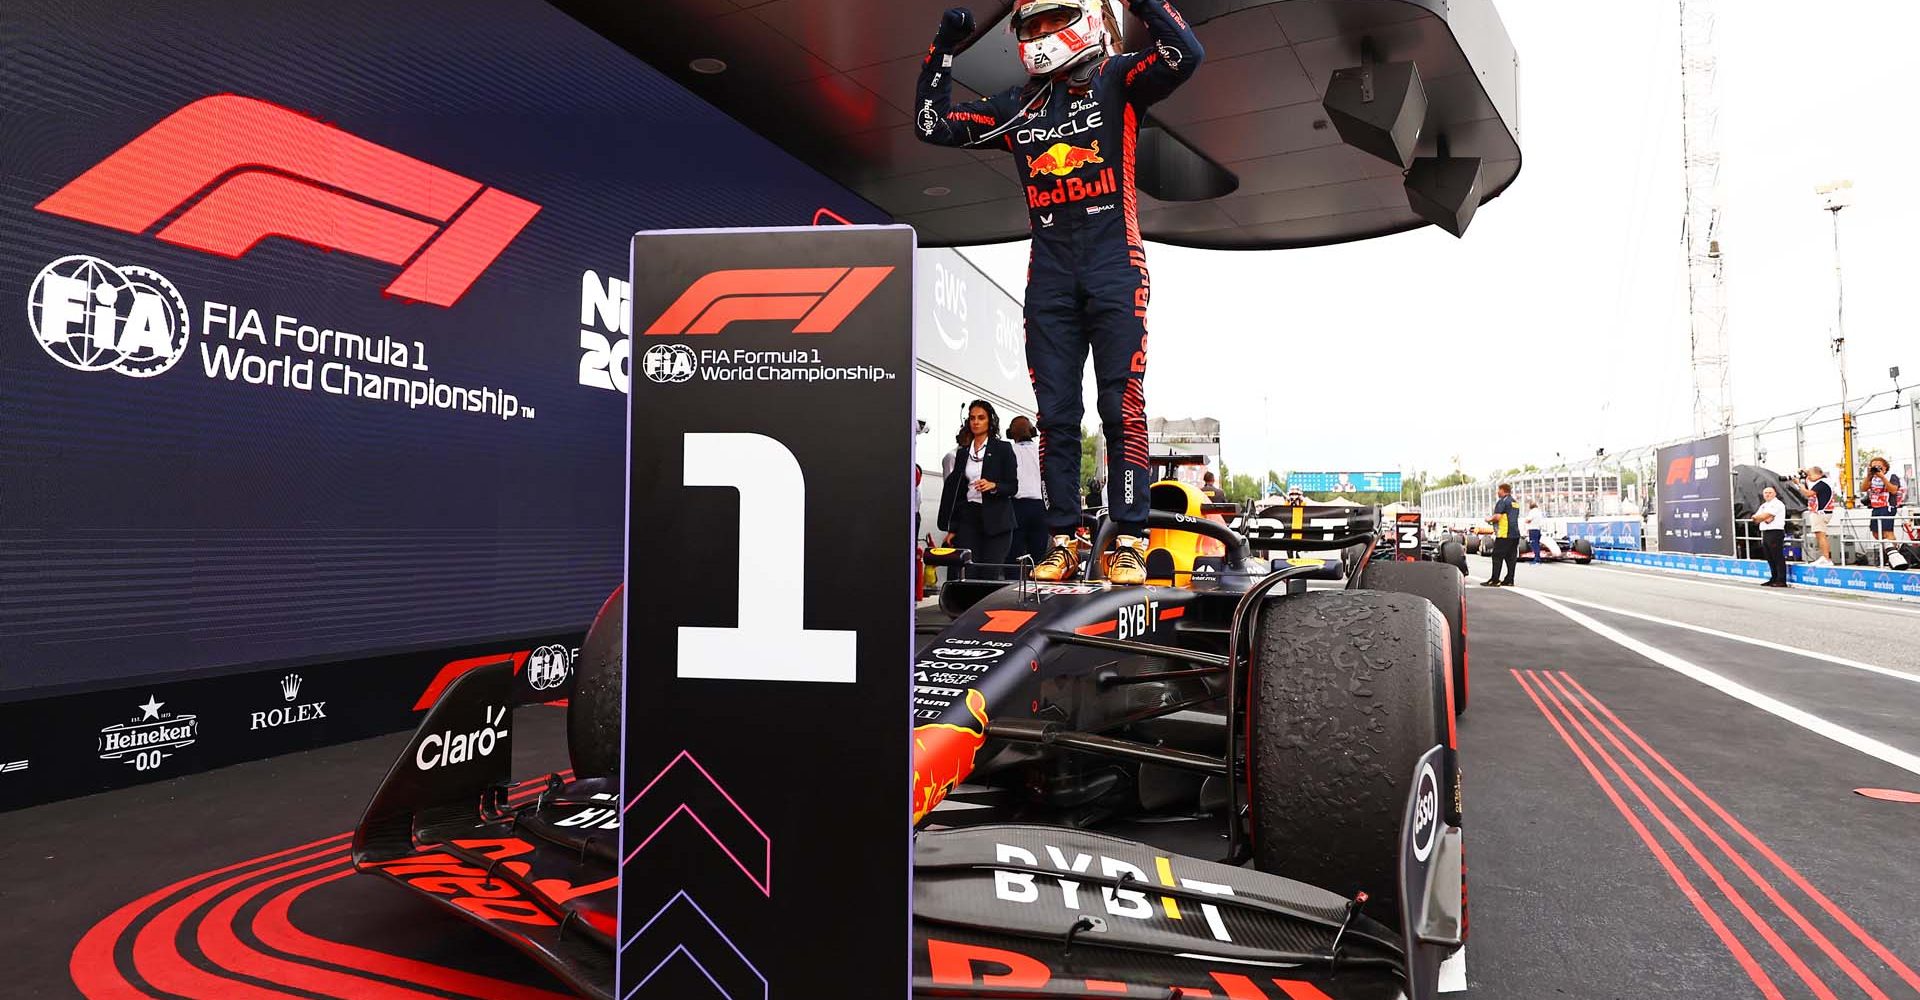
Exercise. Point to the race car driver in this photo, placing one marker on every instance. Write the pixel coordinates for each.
(1071, 128)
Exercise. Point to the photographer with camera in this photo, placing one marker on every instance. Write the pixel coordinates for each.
(1820, 498)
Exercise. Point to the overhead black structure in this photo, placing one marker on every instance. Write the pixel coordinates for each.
(1380, 108)
(1245, 156)
(1445, 190)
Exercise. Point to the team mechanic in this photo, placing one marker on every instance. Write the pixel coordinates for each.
(1071, 128)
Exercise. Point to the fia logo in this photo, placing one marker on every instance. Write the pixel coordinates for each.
(91, 316)
(669, 363)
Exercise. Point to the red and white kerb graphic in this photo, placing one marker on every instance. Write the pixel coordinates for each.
(268, 171)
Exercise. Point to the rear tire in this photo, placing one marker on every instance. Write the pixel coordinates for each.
(593, 709)
(1453, 554)
(1344, 704)
(1444, 588)
(1582, 547)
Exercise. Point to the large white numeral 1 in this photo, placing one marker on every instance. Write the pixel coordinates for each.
(771, 643)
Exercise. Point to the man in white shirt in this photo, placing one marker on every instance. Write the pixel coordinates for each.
(1771, 519)
(1533, 522)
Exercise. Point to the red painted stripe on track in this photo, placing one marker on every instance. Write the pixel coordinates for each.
(1739, 951)
(156, 949)
(223, 947)
(92, 966)
(1767, 889)
(1793, 875)
(97, 975)
(275, 928)
(1719, 878)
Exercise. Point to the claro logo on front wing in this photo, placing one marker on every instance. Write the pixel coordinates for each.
(445, 749)
(272, 171)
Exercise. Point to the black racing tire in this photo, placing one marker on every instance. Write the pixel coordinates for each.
(593, 709)
(1452, 553)
(1582, 547)
(1344, 703)
(1485, 545)
(1439, 584)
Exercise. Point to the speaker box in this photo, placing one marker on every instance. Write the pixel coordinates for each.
(1386, 123)
(1445, 190)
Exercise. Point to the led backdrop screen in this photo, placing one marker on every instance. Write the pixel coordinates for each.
(312, 336)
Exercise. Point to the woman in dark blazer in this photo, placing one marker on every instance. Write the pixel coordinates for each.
(976, 503)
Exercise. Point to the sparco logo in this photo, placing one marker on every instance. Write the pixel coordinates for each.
(549, 667)
(147, 739)
(290, 714)
(669, 363)
(89, 315)
(270, 171)
(1426, 813)
(448, 748)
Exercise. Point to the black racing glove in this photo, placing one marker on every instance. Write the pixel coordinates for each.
(956, 25)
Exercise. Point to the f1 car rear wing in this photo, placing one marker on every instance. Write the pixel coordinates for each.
(1038, 911)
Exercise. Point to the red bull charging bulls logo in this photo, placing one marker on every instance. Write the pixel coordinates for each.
(943, 754)
(1061, 159)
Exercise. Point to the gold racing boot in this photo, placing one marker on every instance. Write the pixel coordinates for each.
(1129, 565)
(1062, 561)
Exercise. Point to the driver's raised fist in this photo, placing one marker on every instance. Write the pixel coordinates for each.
(955, 25)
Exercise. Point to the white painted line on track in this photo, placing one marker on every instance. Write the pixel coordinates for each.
(1766, 703)
(1795, 593)
(1749, 640)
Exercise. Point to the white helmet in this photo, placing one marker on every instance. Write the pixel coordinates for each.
(1087, 35)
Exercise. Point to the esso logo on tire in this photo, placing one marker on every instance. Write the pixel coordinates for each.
(1426, 813)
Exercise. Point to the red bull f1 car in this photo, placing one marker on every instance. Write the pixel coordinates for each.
(1224, 783)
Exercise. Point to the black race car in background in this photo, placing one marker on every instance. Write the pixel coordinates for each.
(1223, 781)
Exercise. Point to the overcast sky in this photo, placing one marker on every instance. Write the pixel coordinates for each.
(1577, 270)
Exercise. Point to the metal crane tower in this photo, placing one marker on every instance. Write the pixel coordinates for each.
(1706, 280)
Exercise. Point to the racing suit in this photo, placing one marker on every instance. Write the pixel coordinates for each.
(1072, 137)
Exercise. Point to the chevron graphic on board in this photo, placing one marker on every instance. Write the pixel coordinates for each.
(682, 928)
(684, 788)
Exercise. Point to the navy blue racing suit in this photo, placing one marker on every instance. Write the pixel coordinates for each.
(1073, 143)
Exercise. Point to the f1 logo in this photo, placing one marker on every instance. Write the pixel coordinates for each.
(275, 172)
(1680, 470)
(818, 297)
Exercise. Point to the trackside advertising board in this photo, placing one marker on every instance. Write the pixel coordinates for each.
(1696, 497)
(768, 618)
(313, 351)
(1346, 482)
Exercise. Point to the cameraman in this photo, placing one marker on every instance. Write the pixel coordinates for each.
(1813, 482)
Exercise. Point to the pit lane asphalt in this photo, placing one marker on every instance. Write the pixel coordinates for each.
(1567, 899)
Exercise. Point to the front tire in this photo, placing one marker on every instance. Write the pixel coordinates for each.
(1444, 588)
(1453, 554)
(1344, 703)
(593, 709)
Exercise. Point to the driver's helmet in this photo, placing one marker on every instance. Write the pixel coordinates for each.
(1060, 34)
(1295, 498)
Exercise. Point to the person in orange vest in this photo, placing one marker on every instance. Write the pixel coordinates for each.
(1506, 537)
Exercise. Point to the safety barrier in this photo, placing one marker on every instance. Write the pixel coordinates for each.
(1610, 534)
(1849, 579)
